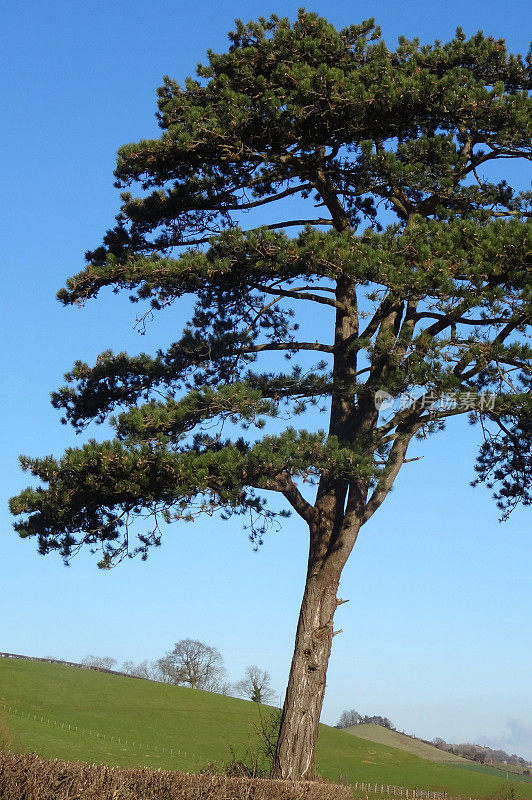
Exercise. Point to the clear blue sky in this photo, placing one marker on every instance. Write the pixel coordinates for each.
(437, 634)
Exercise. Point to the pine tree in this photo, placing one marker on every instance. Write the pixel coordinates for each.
(417, 260)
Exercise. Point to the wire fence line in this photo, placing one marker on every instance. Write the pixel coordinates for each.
(402, 791)
(120, 740)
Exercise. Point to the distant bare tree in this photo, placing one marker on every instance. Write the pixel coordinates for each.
(194, 664)
(348, 718)
(256, 685)
(440, 743)
(144, 669)
(169, 671)
(100, 662)
(218, 684)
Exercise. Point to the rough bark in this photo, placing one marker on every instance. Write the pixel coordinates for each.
(294, 757)
(306, 686)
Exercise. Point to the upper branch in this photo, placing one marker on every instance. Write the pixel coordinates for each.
(395, 461)
(297, 294)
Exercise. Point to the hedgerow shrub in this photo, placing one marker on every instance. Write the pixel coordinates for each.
(29, 777)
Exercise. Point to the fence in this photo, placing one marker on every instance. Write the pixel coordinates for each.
(402, 791)
(102, 737)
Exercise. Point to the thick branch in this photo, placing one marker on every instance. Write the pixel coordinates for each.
(259, 348)
(297, 222)
(451, 319)
(264, 200)
(329, 196)
(296, 500)
(297, 295)
(395, 462)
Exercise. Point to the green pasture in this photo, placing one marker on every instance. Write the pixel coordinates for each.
(132, 722)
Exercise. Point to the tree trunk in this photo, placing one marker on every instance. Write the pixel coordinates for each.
(294, 755)
(333, 532)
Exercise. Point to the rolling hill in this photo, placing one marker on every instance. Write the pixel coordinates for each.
(376, 733)
(74, 714)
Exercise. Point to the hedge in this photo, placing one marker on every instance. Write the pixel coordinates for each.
(29, 777)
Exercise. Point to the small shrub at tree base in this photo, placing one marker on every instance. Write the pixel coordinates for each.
(267, 733)
(28, 777)
(257, 760)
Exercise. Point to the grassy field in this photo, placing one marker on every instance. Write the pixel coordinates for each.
(400, 741)
(376, 733)
(132, 722)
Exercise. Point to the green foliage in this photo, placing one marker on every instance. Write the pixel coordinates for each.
(505, 458)
(421, 266)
